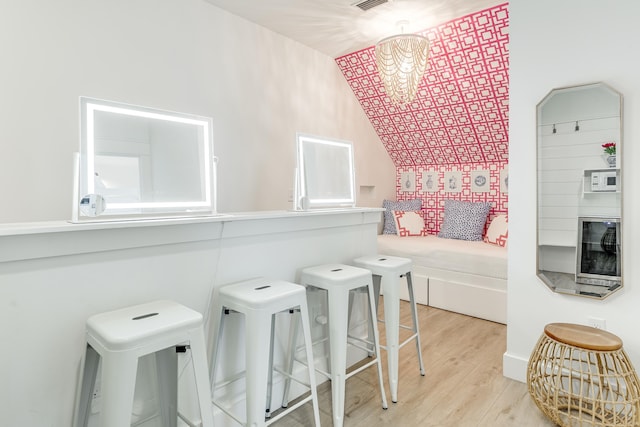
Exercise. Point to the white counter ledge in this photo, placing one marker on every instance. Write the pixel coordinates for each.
(55, 238)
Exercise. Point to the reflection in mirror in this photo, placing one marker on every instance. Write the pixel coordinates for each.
(92, 205)
(579, 190)
(144, 162)
(325, 175)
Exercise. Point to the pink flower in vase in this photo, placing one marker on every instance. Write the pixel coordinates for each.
(609, 148)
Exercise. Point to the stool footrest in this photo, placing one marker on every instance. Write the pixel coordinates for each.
(289, 409)
(356, 342)
(187, 421)
(291, 377)
(361, 368)
(408, 340)
(229, 380)
(226, 411)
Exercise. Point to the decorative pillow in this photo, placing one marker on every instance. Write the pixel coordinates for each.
(498, 232)
(464, 220)
(410, 223)
(402, 205)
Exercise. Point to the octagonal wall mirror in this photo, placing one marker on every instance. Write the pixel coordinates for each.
(579, 180)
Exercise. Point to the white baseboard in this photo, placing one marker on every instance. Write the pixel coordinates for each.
(514, 367)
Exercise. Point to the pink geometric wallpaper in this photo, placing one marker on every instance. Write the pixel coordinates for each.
(460, 114)
(459, 119)
(433, 202)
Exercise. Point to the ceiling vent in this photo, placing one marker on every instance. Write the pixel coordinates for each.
(369, 4)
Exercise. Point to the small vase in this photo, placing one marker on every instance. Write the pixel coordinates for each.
(611, 160)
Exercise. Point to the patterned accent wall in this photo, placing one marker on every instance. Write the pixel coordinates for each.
(480, 182)
(459, 119)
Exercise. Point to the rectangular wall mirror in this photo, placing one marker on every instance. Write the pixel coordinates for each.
(325, 176)
(138, 162)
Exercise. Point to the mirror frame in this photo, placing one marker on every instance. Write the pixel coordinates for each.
(84, 185)
(309, 171)
(561, 282)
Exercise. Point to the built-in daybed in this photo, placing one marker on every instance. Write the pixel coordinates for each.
(464, 276)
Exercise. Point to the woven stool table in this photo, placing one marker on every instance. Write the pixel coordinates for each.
(581, 376)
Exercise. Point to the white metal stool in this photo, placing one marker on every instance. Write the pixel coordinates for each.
(260, 300)
(119, 338)
(338, 280)
(387, 270)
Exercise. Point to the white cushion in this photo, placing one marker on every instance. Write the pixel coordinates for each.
(498, 232)
(389, 226)
(409, 223)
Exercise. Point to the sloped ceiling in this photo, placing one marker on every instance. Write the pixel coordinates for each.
(460, 115)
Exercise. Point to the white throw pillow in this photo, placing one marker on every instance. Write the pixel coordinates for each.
(389, 226)
(409, 223)
(498, 231)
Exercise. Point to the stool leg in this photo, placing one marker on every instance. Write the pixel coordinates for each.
(167, 372)
(201, 373)
(270, 373)
(87, 383)
(416, 327)
(308, 344)
(338, 325)
(293, 335)
(216, 339)
(352, 298)
(376, 336)
(258, 328)
(392, 328)
(119, 371)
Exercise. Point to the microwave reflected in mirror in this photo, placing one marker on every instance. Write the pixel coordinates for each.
(605, 180)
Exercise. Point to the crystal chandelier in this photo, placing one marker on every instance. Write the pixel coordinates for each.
(401, 61)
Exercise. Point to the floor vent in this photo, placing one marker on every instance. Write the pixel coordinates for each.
(369, 4)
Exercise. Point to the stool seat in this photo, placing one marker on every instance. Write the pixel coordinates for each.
(118, 339)
(579, 375)
(259, 300)
(141, 325)
(261, 293)
(387, 272)
(380, 265)
(582, 336)
(336, 275)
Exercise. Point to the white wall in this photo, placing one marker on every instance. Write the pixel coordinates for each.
(555, 44)
(188, 56)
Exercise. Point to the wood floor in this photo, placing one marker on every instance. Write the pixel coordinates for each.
(463, 385)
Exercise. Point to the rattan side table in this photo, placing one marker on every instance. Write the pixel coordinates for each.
(581, 376)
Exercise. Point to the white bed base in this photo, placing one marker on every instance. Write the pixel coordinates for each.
(478, 296)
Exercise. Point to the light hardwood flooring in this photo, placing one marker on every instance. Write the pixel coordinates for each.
(463, 385)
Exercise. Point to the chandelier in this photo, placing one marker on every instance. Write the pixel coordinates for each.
(401, 61)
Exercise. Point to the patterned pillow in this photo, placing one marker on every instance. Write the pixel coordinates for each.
(410, 223)
(464, 220)
(498, 232)
(401, 205)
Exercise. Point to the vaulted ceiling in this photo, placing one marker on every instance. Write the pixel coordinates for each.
(460, 114)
